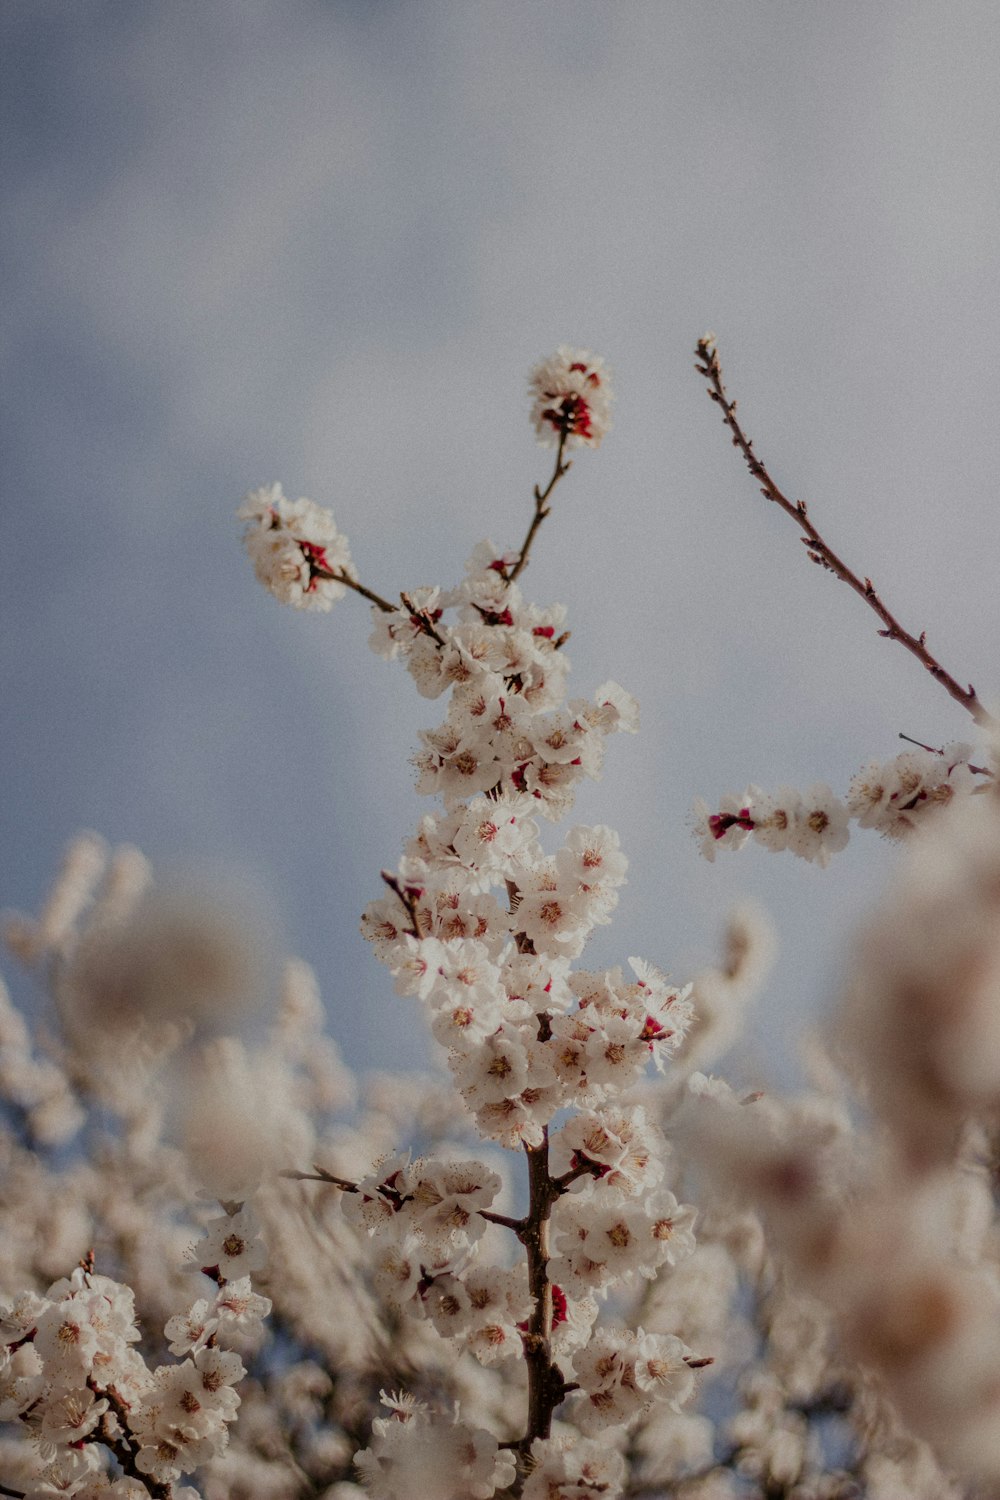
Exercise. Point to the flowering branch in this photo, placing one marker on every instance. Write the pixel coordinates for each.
(819, 551)
(596, 1320)
(320, 1174)
(940, 750)
(122, 1445)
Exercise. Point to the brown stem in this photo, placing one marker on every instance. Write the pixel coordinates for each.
(320, 1174)
(541, 505)
(422, 619)
(408, 901)
(546, 1386)
(585, 1169)
(939, 750)
(337, 575)
(820, 551)
(124, 1447)
(502, 1219)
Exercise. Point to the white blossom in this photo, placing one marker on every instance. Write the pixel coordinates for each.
(571, 394)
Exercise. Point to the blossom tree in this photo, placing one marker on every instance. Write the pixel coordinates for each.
(501, 1284)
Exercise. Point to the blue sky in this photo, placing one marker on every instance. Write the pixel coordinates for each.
(323, 243)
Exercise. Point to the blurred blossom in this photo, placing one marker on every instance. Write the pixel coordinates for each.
(203, 958)
(921, 1021)
(230, 1113)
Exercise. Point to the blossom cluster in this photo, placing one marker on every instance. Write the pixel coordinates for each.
(571, 398)
(444, 1329)
(482, 926)
(900, 1242)
(71, 1373)
(296, 550)
(894, 797)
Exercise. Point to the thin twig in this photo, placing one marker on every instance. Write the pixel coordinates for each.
(585, 1169)
(502, 1219)
(939, 750)
(541, 504)
(821, 552)
(422, 620)
(420, 617)
(337, 575)
(320, 1174)
(408, 901)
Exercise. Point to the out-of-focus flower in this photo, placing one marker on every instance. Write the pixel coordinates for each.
(571, 394)
(185, 954)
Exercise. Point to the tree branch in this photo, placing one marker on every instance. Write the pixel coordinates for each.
(408, 901)
(546, 1386)
(320, 1174)
(541, 505)
(337, 575)
(820, 552)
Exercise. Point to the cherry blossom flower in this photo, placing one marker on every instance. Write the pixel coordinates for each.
(296, 550)
(571, 397)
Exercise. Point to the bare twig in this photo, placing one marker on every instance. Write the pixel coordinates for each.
(562, 466)
(502, 1219)
(337, 575)
(820, 552)
(320, 1174)
(585, 1168)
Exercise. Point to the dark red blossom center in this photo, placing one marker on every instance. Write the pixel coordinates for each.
(719, 824)
(571, 415)
(592, 376)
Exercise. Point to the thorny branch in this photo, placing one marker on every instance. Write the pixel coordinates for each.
(819, 551)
